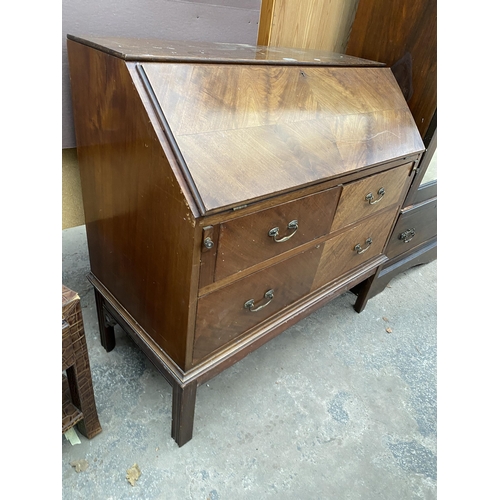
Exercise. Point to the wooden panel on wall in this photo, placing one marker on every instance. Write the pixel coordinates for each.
(72, 203)
(315, 24)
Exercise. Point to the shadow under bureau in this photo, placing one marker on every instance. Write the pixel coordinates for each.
(229, 191)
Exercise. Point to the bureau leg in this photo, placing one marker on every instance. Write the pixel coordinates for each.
(106, 328)
(183, 403)
(364, 289)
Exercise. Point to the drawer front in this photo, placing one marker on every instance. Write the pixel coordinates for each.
(246, 241)
(386, 189)
(222, 315)
(354, 247)
(414, 226)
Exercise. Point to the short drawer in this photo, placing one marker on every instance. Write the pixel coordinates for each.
(371, 195)
(415, 225)
(227, 313)
(353, 247)
(254, 238)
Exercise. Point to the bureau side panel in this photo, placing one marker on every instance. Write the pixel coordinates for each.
(140, 229)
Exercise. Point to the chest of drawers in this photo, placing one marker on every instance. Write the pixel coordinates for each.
(229, 191)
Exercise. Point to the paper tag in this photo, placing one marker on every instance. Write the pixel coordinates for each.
(72, 436)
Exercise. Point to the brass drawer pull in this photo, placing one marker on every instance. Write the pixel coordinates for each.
(407, 235)
(274, 232)
(249, 304)
(369, 196)
(360, 250)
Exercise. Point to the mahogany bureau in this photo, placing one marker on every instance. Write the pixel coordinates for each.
(229, 191)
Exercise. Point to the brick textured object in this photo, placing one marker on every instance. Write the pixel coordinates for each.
(78, 403)
(71, 415)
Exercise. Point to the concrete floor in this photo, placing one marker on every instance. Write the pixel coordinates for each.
(334, 408)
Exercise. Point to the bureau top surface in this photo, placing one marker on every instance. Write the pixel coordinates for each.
(248, 132)
(132, 49)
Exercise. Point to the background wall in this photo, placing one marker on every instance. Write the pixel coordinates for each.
(198, 20)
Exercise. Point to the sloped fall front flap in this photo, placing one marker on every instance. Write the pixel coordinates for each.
(247, 132)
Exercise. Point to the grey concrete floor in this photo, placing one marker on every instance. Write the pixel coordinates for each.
(333, 408)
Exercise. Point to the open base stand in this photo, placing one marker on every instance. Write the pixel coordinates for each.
(185, 383)
(183, 393)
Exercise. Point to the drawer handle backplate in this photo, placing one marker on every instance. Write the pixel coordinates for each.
(274, 232)
(369, 196)
(407, 235)
(360, 250)
(249, 304)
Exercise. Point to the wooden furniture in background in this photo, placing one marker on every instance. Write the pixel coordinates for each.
(315, 24)
(230, 191)
(78, 403)
(403, 35)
